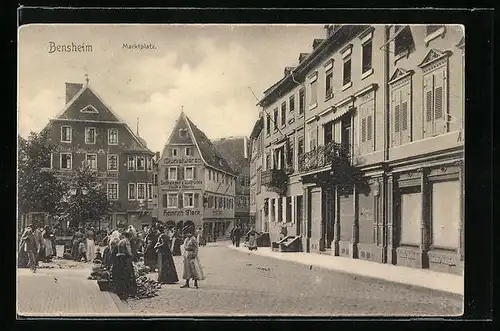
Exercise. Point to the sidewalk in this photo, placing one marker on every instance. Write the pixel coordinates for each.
(396, 274)
(72, 294)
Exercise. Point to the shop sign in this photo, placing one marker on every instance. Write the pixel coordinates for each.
(187, 160)
(180, 184)
(182, 212)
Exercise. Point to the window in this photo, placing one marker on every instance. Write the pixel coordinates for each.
(155, 179)
(268, 124)
(314, 92)
(189, 151)
(141, 163)
(445, 214)
(268, 161)
(291, 100)
(131, 162)
(172, 200)
(150, 191)
(66, 160)
(113, 136)
(47, 162)
(149, 163)
(403, 40)
(288, 210)
(189, 173)
(279, 201)
(366, 112)
(66, 134)
(112, 189)
(401, 115)
(300, 147)
(188, 200)
(411, 213)
(329, 84)
(141, 191)
(302, 101)
(172, 173)
(91, 160)
(183, 133)
(90, 135)
(112, 162)
(275, 118)
(173, 152)
(283, 114)
(367, 56)
(312, 138)
(131, 191)
(290, 150)
(328, 132)
(347, 71)
(435, 102)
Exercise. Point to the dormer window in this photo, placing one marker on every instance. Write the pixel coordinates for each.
(89, 109)
(183, 133)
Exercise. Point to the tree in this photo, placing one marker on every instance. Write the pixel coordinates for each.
(86, 198)
(38, 189)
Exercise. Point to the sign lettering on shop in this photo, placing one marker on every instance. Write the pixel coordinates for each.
(180, 184)
(181, 212)
(189, 160)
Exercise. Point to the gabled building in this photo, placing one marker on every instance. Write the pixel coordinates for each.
(235, 151)
(89, 131)
(196, 185)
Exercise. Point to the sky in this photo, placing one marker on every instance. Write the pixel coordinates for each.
(206, 70)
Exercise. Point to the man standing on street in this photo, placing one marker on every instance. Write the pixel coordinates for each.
(28, 245)
(237, 235)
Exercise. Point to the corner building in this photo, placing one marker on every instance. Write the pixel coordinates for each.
(196, 185)
(369, 163)
(89, 131)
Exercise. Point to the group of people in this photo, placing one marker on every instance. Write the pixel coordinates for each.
(83, 245)
(251, 237)
(36, 244)
(159, 245)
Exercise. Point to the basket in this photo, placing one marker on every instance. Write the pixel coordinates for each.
(104, 285)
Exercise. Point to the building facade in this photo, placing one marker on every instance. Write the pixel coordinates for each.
(235, 150)
(196, 185)
(371, 165)
(256, 198)
(88, 132)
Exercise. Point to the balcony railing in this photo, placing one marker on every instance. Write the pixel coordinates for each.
(275, 180)
(329, 154)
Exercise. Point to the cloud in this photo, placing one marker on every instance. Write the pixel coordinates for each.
(34, 115)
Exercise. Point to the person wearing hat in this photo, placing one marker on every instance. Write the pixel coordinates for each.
(28, 246)
(192, 267)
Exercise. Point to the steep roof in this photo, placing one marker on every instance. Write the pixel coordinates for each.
(87, 105)
(233, 150)
(209, 154)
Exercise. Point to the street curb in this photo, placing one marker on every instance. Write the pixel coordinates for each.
(362, 276)
(122, 306)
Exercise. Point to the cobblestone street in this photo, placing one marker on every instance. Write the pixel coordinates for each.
(239, 283)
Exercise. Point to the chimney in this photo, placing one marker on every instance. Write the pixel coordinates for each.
(71, 90)
(288, 70)
(316, 42)
(302, 56)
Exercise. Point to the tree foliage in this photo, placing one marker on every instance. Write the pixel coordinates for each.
(38, 189)
(86, 199)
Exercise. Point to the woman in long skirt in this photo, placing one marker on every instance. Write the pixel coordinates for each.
(192, 267)
(252, 240)
(90, 245)
(47, 244)
(150, 255)
(167, 274)
(123, 270)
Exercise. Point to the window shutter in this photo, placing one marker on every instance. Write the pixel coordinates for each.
(180, 173)
(404, 116)
(181, 202)
(363, 130)
(396, 118)
(194, 173)
(428, 104)
(165, 201)
(369, 127)
(196, 199)
(440, 113)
